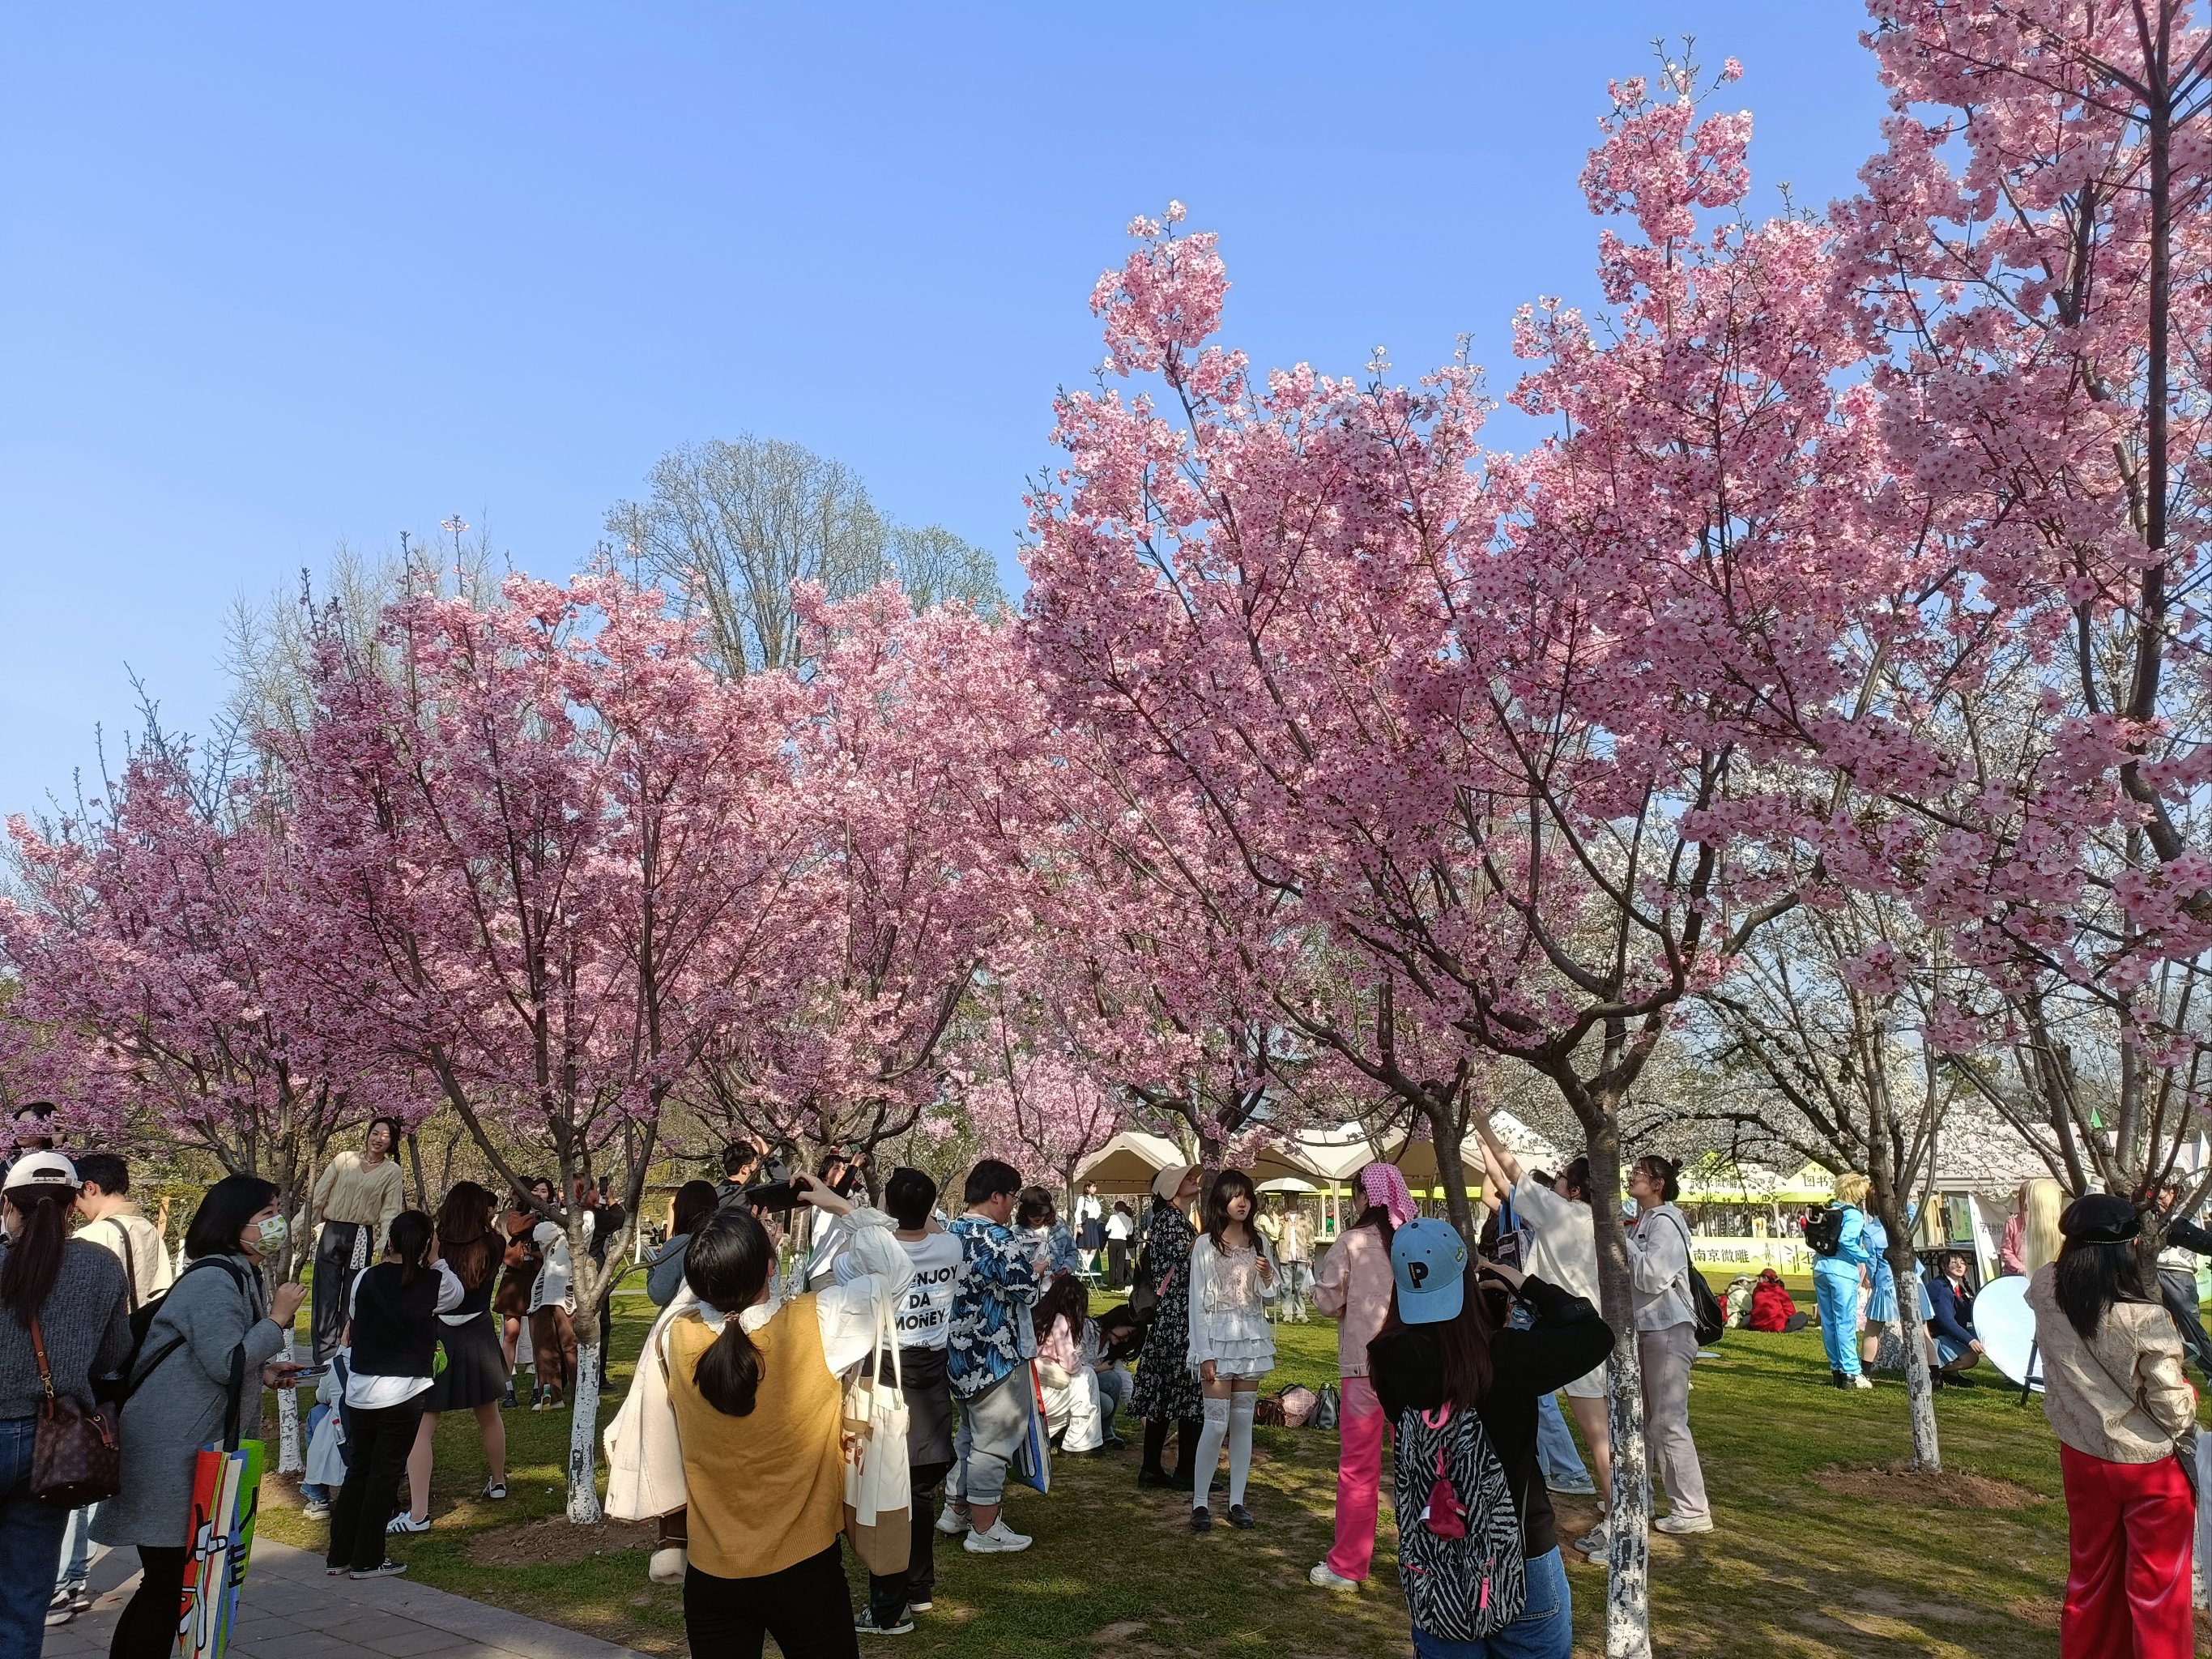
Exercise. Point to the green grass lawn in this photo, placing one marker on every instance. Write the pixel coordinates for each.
(1794, 1569)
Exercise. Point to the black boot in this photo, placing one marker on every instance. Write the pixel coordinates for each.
(1838, 1378)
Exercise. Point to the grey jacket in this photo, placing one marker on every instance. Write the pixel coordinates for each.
(664, 1275)
(180, 1401)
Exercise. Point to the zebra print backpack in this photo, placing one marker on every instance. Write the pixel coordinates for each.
(1459, 1535)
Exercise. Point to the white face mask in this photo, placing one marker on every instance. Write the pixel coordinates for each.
(275, 1230)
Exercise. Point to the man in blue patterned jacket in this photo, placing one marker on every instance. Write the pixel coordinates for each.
(987, 1355)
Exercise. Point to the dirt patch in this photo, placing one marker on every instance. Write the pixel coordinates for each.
(554, 1541)
(1892, 1483)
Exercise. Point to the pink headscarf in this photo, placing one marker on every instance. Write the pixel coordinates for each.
(1385, 1184)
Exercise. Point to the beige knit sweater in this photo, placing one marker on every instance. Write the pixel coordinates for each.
(351, 1188)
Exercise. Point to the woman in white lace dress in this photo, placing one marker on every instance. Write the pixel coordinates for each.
(1231, 1348)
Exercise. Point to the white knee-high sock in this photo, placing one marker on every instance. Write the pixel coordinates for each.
(1242, 1406)
(1209, 1449)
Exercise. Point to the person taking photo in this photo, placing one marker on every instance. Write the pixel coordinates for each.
(754, 1387)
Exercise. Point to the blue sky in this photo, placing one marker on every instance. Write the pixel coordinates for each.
(272, 278)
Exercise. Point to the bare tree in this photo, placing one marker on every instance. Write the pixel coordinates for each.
(1824, 1013)
(730, 527)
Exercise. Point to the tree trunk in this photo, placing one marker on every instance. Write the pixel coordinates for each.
(1920, 1388)
(415, 1158)
(1628, 1594)
(1445, 1135)
(291, 1458)
(588, 1280)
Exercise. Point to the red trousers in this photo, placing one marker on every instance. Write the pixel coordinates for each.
(2131, 1527)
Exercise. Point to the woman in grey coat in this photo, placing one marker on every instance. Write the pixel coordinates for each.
(213, 1319)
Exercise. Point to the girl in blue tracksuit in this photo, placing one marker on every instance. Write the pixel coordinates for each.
(1836, 1281)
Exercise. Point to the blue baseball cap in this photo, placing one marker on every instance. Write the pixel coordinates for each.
(1429, 1260)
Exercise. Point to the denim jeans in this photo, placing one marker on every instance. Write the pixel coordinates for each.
(30, 1543)
(1555, 1447)
(1113, 1388)
(1545, 1629)
(76, 1548)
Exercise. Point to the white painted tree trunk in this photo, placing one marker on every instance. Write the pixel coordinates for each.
(583, 1438)
(289, 1458)
(1627, 1588)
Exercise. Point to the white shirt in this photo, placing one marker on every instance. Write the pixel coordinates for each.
(1563, 1246)
(1119, 1226)
(1087, 1208)
(145, 1262)
(846, 1312)
(375, 1394)
(924, 1315)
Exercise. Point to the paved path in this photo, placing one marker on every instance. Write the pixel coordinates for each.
(290, 1610)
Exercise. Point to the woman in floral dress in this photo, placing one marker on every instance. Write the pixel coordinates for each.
(1167, 1390)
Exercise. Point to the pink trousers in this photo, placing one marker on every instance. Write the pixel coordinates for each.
(1358, 1480)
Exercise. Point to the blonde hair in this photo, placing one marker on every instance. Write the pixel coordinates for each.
(1852, 1188)
(2042, 1200)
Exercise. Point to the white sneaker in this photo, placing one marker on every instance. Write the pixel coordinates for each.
(954, 1521)
(406, 1522)
(1595, 1542)
(1679, 1527)
(1000, 1539)
(1326, 1578)
(1862, 1382)
(667, 1566)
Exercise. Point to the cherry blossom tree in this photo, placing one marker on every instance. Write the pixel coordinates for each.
(559, 859)
(2018, 258)
(1502, 733)
(909, 737)
(151, 945)
(1041, 1112)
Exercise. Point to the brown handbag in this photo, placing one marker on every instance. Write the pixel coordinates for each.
(76, 1457)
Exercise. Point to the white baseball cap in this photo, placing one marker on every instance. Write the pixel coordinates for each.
(48, 1169)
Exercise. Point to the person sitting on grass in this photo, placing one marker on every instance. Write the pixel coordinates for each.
(1956, 1348)
(1772, 1307)
(1068, 1351)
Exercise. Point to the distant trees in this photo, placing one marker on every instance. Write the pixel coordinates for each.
(733, 527)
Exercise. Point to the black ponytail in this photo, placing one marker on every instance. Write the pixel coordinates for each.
(410, 1242)
(726, 1266)
(34, 1255)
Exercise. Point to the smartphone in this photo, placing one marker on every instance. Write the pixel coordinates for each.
(311, 1371)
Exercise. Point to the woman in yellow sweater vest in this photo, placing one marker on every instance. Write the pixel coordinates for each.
(756, 1390)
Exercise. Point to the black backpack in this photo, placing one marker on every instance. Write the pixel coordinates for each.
(142, 1322)
(1823, 1231)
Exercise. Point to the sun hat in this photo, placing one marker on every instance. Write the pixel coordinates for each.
(1428, 1260)
(2100, 1219)
(48, 1169)
(1169, 1182)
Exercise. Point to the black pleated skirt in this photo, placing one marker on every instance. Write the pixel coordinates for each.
(476, 1366)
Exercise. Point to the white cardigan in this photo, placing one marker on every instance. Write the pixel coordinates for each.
(645, 1458)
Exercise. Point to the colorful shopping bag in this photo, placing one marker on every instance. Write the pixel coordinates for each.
(226, 1496)
(1033, 1457)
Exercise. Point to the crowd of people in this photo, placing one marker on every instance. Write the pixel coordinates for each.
(1458, 1358)
(774, 1293)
